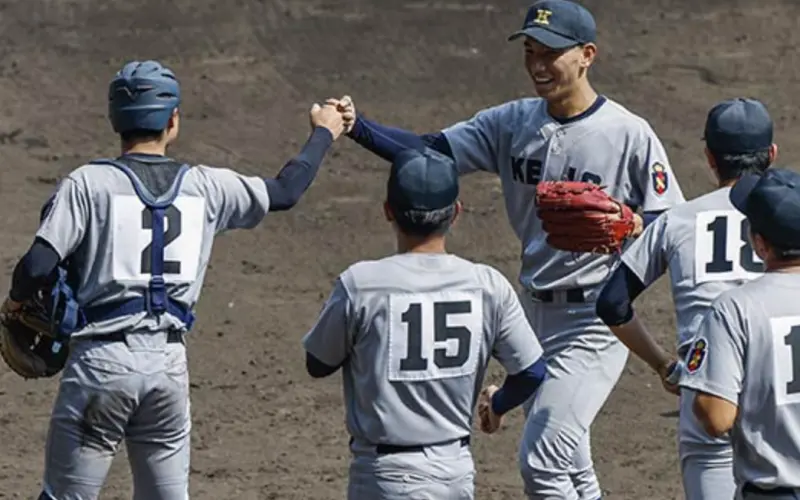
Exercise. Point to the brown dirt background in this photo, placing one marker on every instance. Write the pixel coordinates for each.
(249, 71)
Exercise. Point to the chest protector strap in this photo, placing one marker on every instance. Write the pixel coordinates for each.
(156, 300)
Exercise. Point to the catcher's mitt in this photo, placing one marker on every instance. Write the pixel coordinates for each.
(26, 343)
(581, 217)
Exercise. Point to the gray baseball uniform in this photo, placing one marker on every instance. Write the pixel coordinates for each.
(608, 145)
(704, 245)
(747, 351)
(414, 334)
(137, 389)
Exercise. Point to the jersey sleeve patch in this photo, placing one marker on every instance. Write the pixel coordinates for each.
(660, 178)
(697, 355)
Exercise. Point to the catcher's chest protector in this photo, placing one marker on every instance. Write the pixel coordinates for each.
(155, 300)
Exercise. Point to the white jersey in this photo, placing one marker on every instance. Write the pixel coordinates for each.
(97, 219)
(607, 145)
(705, 247)
(747, 351)
(414, 334)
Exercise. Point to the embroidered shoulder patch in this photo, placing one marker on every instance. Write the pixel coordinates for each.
(697, 354)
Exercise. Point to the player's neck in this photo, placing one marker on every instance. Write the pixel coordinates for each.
(420, 245)
(573, 105)
(785, 267)
(145, 148)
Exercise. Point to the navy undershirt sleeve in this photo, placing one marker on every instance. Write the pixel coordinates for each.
(34, 271)
(519, 387)
(614, 305)
(649, 217)
(318, 369)
(297, 175)
(387, 142)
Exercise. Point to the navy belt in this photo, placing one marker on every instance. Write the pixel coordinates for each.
(573, 295)
(388, 449)
(173, 337)
(778, 491)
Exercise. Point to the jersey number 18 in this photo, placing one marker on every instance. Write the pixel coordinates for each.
(723, 251)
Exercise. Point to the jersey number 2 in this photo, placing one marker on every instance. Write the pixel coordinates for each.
(173, 217)
(131, 234)
(434, 335)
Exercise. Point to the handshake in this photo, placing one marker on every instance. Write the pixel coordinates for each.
(336, 115)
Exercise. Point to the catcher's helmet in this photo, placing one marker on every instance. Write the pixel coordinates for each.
(142, 96)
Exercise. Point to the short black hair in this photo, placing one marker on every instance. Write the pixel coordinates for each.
(425, 223)
(141, 135)
(731, 166)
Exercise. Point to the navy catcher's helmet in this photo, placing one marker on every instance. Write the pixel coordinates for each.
(142, 96)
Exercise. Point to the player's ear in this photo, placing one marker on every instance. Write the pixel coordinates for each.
(759, 245)
(457, 212)
(173, 125)
(387, 212)
(773, 153)
(589, 52)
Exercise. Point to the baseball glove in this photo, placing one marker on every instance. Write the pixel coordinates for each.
(27, 343)
(581, 217)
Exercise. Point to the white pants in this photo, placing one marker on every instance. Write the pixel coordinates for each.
(584, 362)
(137, 390)
(439, 472)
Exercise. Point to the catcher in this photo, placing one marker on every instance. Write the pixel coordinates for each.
(132, 237)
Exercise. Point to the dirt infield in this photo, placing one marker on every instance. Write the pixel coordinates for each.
(262, 428)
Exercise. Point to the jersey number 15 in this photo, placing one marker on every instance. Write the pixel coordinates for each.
(434, 336)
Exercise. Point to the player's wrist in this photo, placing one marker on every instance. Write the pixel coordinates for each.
(664, 367)
(498, 403)
(638, 225)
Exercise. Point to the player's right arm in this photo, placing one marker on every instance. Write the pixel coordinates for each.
(714, 367)
(471, 143)
(243, 201)
(329, 342)
(642, 264)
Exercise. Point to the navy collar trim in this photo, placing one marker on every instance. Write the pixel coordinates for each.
(596, 105)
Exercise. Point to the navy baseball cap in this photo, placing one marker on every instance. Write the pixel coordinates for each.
(421, 182)
(771, 202)
(558, 24)
(738, 126)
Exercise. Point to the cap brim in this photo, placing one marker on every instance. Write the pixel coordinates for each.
(740, 192)
(545, 37)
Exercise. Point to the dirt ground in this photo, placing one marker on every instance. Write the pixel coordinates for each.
(250, 70)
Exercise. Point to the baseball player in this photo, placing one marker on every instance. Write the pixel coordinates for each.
(413, 334)
(137, 232)
(703, 244)
(743, 363)
(568, 133)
